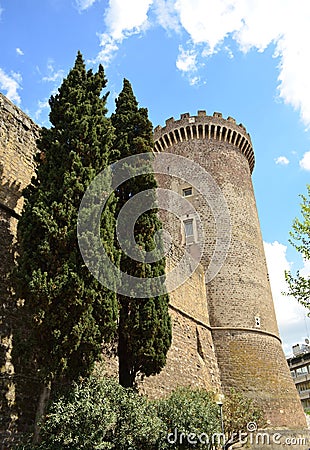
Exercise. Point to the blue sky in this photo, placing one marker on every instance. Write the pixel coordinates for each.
(248, 59)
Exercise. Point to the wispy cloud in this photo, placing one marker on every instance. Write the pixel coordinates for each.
(109, 47)
(122, 20)
(304, 163)
(52, 74)
(167, 15)
(43, 108)
(282, 160)
(10, 84)
(82, 5)
(291, 316)
(43, 105)
(187, 60)
(19, 51)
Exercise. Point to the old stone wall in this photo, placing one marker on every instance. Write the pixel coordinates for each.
(18, 134)
(191, 359)
(17, 147)
(254, 363)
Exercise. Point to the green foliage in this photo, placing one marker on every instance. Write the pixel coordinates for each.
(98, 413)
(239, 411)
(299, 286)
(67, 313)
(188, 411)
(144, 327)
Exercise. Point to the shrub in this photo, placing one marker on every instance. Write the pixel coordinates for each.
(192, 412)
(98, 414)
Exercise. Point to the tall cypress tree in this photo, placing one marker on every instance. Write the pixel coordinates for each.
(67, 312)
(144, 324)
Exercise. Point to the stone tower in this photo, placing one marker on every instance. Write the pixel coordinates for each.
(241, 312)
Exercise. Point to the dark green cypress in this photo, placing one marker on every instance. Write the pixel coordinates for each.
(67, 312)
(144, 323)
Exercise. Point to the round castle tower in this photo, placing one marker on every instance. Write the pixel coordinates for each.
(240, 305)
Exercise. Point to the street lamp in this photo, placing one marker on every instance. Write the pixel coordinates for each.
(219, 401)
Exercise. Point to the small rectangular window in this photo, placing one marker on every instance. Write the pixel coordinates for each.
(187, 192)
(301, 370)
(188, 226)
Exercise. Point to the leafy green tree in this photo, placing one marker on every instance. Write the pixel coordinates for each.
(144, 324)
(299, 286)
(191, 419)
(98, 413)
(67, 312)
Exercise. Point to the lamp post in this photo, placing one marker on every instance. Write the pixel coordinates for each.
(219, 401)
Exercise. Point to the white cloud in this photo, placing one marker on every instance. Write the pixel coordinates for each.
(187, 60)
(109, 48)
(123, 19)
(229, 52)
(194, 81)
(207, 21)
(167, 15)
(304, 163)
(305, 271)
(42, 111)
(10, 84)
(292, 317)
(282, 160)
(19, 51)
(84, 4)
(52, 74)
(42, 106)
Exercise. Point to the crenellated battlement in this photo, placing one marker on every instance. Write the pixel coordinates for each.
(206, 128)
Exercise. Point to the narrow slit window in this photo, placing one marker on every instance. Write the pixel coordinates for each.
(189, 228)
(187, 191)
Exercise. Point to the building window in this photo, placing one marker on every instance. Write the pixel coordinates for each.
(257, 321)
(188, 227)
(187, 191)
(301, 370)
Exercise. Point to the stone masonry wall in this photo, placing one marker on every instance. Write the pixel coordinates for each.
(17, 146)
(252, 361)
(18, 136)
(191, 359)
